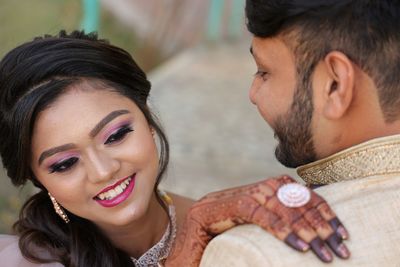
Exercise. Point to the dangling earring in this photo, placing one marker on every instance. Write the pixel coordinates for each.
(59, 209)
(152, 131)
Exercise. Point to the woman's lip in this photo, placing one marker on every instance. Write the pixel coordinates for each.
(119, 198)
(114, 185)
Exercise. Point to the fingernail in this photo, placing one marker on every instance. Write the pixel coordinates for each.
(342, 232)
(296, 243)
(320, 250)
(303, 246)
(326, 254)
(343, 251)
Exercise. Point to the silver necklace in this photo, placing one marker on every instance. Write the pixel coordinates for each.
(159, 251)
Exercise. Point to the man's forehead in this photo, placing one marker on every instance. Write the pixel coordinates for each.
(255, 50)
(259, 49)
(261, 45)
(268, 48)
(254, 54)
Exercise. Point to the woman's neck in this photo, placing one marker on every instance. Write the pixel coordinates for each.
(138, 237)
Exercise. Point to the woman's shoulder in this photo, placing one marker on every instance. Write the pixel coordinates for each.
(10, 254)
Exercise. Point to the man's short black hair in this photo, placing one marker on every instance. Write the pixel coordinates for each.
(367, 31)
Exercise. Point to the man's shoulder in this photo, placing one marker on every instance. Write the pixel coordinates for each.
(366, 208)
(356, 190)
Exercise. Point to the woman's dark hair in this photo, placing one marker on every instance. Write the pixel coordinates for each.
(367, 31)
(32, 76)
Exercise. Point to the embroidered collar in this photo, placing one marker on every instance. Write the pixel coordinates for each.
(380, 156)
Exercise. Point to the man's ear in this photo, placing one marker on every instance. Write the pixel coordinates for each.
(339, 86)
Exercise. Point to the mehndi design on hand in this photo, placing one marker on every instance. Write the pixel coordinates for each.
(309, 226)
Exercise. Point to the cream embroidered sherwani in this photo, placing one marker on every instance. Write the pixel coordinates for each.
(364, 191)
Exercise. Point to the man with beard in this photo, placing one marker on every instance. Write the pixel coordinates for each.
(328, 83)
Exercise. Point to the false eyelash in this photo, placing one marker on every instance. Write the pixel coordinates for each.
(60, 166)
(119, 134)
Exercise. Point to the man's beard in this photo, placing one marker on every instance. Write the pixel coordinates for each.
(293, 130)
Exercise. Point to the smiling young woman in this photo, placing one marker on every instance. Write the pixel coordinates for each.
(75, 116)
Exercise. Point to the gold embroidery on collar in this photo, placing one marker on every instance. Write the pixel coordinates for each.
(379, 156)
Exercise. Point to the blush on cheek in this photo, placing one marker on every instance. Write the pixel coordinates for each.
(149, 149)
(152, 147)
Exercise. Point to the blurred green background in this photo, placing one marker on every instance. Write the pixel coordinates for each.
(21, 20)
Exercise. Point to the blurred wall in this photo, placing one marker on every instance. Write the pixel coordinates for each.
(176, 24)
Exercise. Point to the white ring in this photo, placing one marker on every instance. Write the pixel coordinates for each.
(293, 195)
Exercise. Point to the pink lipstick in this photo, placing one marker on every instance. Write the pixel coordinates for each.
(113, 195)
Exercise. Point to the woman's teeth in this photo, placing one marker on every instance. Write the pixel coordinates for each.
(110, 194)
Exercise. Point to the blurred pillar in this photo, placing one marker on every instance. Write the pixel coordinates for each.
(214, 19)
(91, 15)
(236, 19)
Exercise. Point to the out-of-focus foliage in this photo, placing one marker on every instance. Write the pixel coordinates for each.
(10, 204)
(22, 20)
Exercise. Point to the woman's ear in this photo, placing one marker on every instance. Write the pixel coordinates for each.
(339, 85)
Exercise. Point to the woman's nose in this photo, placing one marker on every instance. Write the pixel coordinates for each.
(101, 166)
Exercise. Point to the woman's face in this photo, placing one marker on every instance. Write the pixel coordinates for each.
(94, 152)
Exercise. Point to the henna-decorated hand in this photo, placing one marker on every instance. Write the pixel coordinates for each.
(313, 225)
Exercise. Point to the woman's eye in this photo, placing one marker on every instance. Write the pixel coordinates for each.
(63, 165)
(118, 135)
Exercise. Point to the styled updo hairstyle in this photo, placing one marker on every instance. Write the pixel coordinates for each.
(32, 76)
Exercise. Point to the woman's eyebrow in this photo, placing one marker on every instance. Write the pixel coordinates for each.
(54, 150)
(100, 125)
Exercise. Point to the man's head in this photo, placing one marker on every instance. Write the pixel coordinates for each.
(328, 73)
